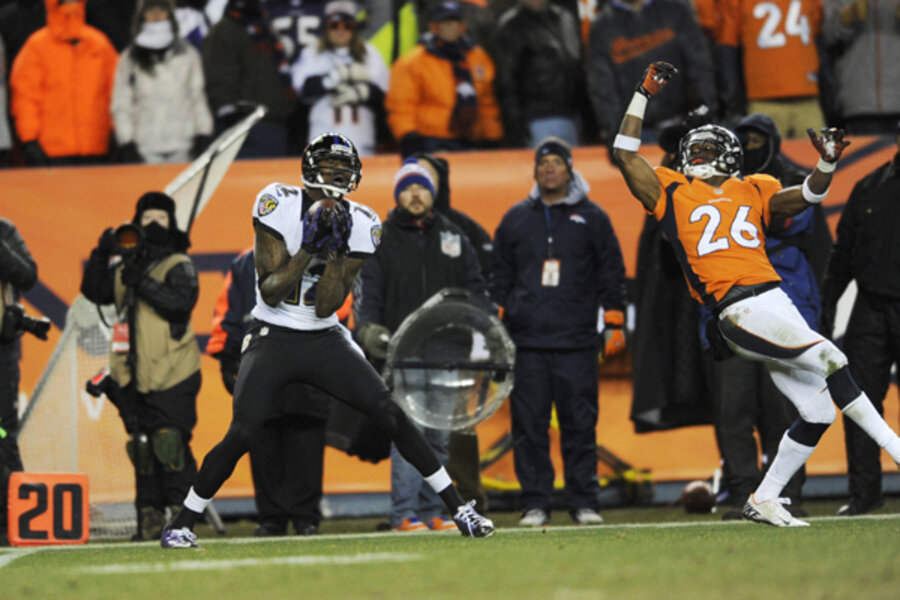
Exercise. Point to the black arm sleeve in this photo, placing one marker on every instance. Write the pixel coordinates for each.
(174, 298)
(16, 264)
(97, 282)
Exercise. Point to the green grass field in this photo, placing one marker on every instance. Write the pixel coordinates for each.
(640, 553)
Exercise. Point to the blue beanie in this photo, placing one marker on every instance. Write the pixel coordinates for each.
(554, 145)
(412, 172)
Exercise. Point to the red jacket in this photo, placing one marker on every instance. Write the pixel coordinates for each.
(61, 90)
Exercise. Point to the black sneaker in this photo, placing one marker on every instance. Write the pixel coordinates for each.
(271, 529)
(860, 506)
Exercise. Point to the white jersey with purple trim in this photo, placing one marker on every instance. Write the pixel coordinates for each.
(279, 209)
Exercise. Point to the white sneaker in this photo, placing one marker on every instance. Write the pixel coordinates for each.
(534, 517)
(587, 516)
(771, 512)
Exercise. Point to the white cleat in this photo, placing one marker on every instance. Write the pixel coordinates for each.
(472, 524)
(771, 512)
(179, 538)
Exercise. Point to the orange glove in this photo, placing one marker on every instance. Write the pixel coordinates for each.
(613, 335)
(656, 76)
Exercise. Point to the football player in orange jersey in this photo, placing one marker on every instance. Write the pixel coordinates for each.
(715, 220)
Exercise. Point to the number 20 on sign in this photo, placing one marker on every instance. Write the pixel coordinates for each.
(48, 508)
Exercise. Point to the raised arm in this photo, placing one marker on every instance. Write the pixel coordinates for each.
(793, 200)
(639, 175)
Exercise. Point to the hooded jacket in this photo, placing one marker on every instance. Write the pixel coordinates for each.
(592, 272)
(61, 84)
(477, 235)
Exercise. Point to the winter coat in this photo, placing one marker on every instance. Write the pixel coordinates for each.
(61, 91)
(867, 74)
(161, 111)
(422, 95)
(591, 271)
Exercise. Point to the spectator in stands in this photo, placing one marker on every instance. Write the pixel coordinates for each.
(344, 79)
(5, 134)
(866, 250)
(18, 273)
(158, 105)
(625, 37)
(441, 95)
(780, 66)
(154, 360)
(540, 80)
(245, 65)
(865, 36)
(556, 262)
(744, 394)
(416, 240)
(286, 461)
(61, 85)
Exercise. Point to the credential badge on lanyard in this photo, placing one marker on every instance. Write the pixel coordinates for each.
(550, 273)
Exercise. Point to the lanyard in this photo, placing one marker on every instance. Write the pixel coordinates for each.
(550, 230)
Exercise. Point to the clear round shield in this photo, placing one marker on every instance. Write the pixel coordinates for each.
(450, 363)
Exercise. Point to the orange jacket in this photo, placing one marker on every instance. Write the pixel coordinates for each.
(61, 91)
(422, 95)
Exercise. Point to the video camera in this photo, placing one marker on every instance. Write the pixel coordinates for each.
(16, 322)
(129, 240)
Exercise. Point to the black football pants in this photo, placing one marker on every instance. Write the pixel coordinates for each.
(327, 359)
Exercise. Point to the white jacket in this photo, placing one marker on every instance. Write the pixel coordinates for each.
(161, 111)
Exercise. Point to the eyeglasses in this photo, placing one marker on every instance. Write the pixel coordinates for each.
(347, 24)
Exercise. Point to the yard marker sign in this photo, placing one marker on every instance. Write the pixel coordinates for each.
(48, 508)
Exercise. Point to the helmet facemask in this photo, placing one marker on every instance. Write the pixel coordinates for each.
(331, 164)
(710, 151)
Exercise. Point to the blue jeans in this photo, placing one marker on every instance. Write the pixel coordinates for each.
(562, 127)
(411, 496)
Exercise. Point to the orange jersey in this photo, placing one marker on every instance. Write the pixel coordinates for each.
(778, 42)
(717, 233)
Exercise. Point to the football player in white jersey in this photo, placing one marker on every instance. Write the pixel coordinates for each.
(310, 244)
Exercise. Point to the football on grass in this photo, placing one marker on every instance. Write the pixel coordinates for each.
(698, 497)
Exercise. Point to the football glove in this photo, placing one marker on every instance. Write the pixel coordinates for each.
(374, 339)
(830, 145)
(613, 336)
(316, 230)
(341, 224)
(656, 76)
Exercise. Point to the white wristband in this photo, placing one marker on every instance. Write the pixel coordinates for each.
(638, 106)
(626, 142)
(825, 167)
(810, 196)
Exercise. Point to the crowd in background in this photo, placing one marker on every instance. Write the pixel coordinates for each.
(94, 81)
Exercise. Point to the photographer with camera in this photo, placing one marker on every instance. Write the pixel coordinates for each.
(154, 360)
(18, 272)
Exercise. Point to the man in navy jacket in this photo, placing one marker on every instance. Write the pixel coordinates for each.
(556, 263)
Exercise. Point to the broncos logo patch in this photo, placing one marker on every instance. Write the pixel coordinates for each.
(267, 204)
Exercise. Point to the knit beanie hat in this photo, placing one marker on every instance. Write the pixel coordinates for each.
(411, 172)
(554, 145)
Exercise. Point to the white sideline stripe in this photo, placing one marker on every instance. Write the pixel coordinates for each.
(215, 565)
(8, 556)
(211, 541)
